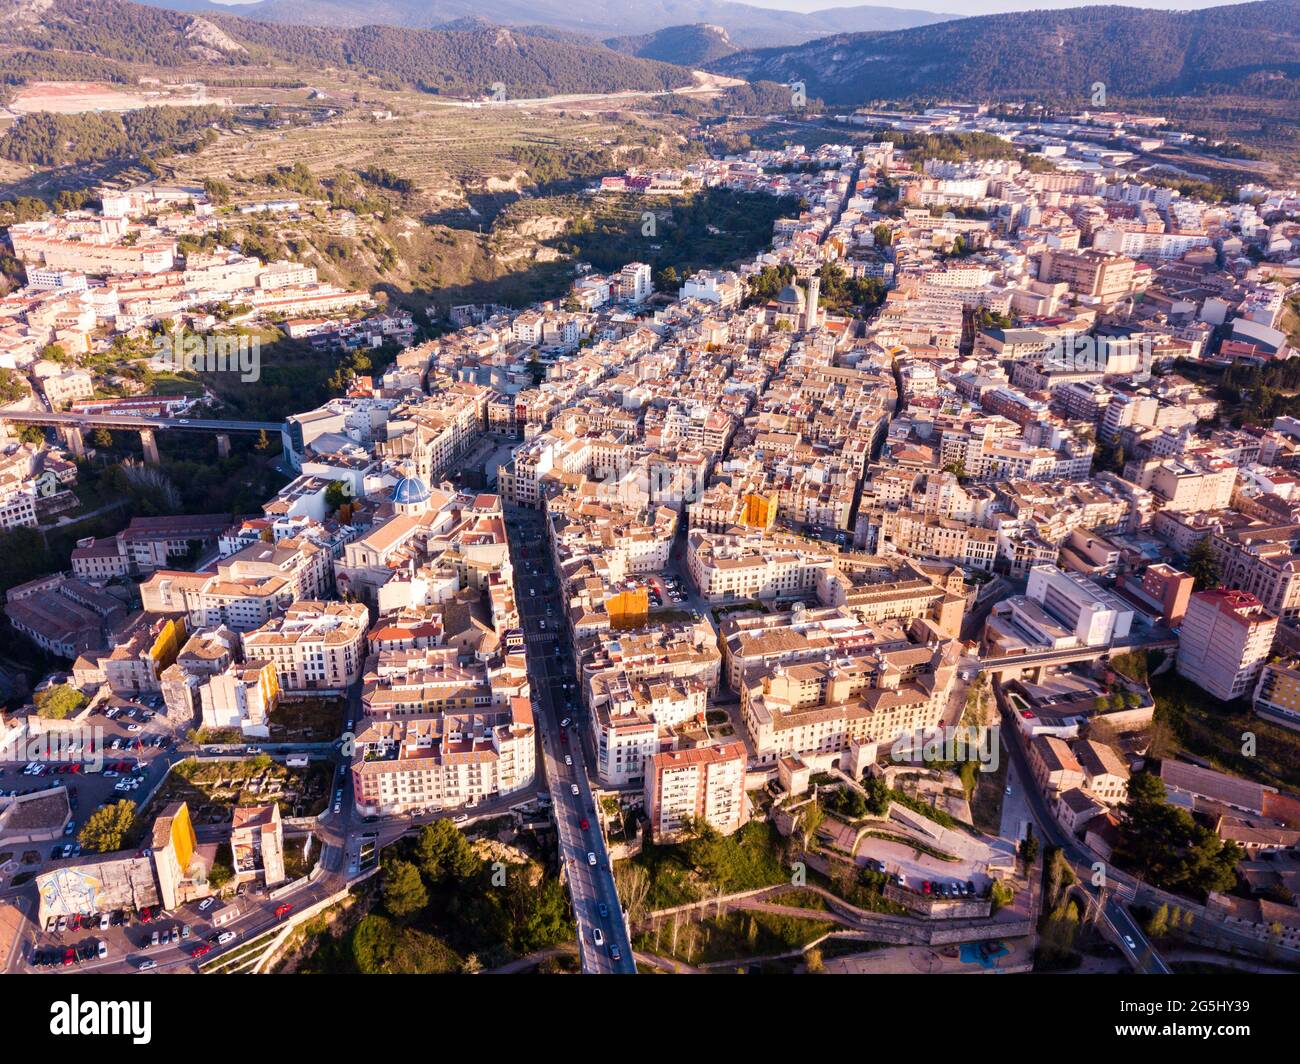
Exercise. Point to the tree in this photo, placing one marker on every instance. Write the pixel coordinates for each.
(102, 437)
(263, 440)
(1167, 847)
(813, 815)
(337, 494)
(1203, 564)
(403, 889)
(1029, 851)
(107, 829)
(1158, 925)
(59, 702)
(442, 852)
(12, 386)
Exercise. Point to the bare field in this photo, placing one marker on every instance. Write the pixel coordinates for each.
(76, 97)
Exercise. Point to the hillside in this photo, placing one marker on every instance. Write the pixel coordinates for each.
(1253, 49)
(749, 26)
(691, 46)
(92, 38)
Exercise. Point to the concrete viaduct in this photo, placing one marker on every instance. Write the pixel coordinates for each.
(71, 427)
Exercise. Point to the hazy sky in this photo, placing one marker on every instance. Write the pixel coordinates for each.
(984, 7)
(959, 7)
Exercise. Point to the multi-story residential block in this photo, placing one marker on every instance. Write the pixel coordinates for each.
(314, 646)
(1225, 640)
(699, 784)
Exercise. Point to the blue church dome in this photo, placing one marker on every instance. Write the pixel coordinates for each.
(409, 491)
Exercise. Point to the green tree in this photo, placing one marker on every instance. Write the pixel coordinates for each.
(337, 494)
(1167, 847)
(1029, 851)
(403, 889)
(59, 702)
(102, 437)
(107, 829)
(442, 852)
(1203, 564)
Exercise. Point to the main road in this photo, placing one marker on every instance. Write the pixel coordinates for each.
(585, 860)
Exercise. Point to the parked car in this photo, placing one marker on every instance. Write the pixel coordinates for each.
(102, 949)
(207, 904)
(146, 966)
(201, 950)
(226, 936)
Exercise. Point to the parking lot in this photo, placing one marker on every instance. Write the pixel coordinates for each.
(148, 939)
(124, 757)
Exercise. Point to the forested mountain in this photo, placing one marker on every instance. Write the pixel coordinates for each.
(457, 62)
(1250, 48)
(691, 46)
(748, 26)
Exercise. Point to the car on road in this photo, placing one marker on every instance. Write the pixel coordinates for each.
(282, 911)
(602, 908)
(566, 722)
(591, 858)
(70, 827)
(584, 823)
(201, 950)
(1008, 788)
(598, 936)
(207, 904)
(146, 966)
(568, 760)
(460, 818)
(573, 789)
(226, 936)
(616, 953)
(1128, 941)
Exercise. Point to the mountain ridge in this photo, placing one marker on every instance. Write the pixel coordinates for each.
(1054, 53)
(747, 25)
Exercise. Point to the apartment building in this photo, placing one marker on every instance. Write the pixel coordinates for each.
(1096, 273)
(701, 784)
(444, 761)
(817, 709)
(1225, 640)
(1277, 694)
(729, 568)
(314, 646)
